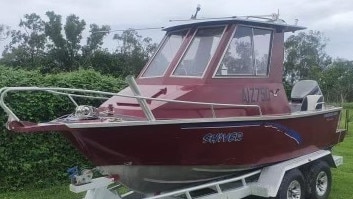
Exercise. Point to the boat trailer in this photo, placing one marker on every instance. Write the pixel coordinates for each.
(271, 181)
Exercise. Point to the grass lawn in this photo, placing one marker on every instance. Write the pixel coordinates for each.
(58, 192)
(342, 178)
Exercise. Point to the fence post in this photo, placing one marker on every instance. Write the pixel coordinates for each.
(346, 125)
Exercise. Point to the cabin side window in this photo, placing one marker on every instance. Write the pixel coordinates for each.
(248, 53)
(165, 54)
(200, 52)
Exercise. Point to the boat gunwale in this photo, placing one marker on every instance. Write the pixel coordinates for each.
(294, 115)
(105, 123)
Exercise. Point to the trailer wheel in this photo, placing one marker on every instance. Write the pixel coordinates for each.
(292, 186)
(320, 180)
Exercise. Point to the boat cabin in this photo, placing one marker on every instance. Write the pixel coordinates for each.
(236, 63)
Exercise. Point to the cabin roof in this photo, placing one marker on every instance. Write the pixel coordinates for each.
(278, 24)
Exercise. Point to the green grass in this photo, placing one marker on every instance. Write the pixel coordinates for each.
(56, 192)
(342, 179)
(343, 175)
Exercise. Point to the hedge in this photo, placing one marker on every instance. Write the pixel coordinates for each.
(41, 159)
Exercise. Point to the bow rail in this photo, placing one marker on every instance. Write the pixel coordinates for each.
(71, 93)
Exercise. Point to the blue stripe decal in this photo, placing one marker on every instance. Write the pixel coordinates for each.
(287, 131)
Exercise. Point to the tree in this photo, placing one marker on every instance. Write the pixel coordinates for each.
(305, 56)
(92, 52)
(95, 40)
(64, 51)
(337, 81)
(133, 51)
(51, 46)
(27, 45)
(130, 56)
(73, 32)
(4, 32)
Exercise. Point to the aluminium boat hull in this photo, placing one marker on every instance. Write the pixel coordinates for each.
(153, 157)
(157, 179)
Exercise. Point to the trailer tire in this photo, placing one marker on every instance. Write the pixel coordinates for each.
(319, 180)
(292, 186)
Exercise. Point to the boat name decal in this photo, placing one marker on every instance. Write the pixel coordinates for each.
(251, 95)
(238, 136)
(214, 138)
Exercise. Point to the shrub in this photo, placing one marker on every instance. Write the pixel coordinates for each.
(41, 159)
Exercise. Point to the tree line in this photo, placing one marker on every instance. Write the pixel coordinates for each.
(305, 58)
(50, 45)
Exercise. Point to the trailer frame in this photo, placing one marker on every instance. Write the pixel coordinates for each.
(266, 184)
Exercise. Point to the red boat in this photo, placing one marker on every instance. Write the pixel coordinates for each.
(210, 103)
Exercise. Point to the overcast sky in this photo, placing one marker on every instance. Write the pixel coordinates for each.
(332, 17)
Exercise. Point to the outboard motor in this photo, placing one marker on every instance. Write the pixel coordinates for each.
(306, 96)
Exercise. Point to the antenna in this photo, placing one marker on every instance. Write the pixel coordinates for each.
(275, 16)
(296, 22)
(198, 8)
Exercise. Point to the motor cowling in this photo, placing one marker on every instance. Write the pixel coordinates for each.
(306, 95)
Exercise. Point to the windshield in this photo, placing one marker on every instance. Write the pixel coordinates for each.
(200, 52)
(165, 55)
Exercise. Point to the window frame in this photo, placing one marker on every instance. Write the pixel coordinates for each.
(161, 45)
(215, 76)
(188, 46)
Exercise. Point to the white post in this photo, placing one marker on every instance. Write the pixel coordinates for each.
(143, 104)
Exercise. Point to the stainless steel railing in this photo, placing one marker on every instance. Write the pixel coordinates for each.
(91, 94)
